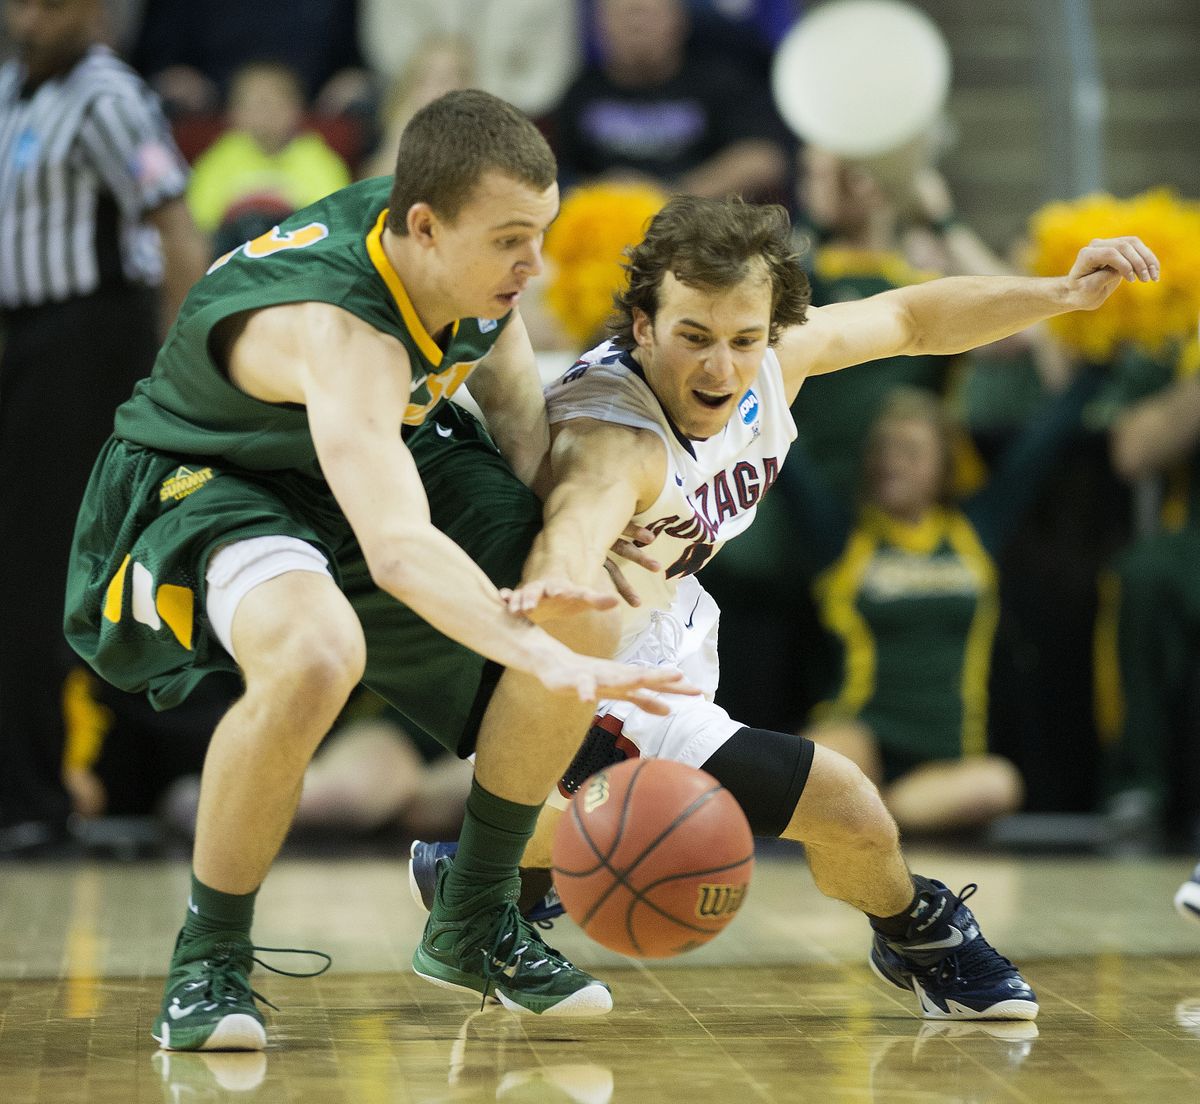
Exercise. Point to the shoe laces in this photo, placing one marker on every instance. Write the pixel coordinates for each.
(511, 936)
(976, 959)
(230, 963)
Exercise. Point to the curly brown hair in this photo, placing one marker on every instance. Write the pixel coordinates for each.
(710, 244)
(450, 143)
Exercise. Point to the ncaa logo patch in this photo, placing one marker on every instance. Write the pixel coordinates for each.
(748, 407)
(486, 325)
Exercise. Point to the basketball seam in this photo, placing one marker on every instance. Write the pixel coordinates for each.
(639, 897)
(618, 879)
(621, 878)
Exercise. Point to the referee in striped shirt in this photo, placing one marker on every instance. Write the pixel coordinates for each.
(96, 252)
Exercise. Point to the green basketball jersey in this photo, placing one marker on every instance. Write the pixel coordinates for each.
(330, 252)
(1135, 375)
(914, 609)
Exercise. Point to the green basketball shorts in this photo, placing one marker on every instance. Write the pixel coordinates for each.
(150, 521)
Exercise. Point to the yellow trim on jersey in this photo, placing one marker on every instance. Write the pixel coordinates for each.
(408, 312)
(977, 655)
(176, 606)
(1108, 696)
(116, 589)
(921, 538)
(837, 594)
(86, 721)
(1176, 504)
(839, 262)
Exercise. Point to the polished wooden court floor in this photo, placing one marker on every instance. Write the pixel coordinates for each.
(780, 1008)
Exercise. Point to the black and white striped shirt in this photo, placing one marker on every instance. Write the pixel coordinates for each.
(83, 158)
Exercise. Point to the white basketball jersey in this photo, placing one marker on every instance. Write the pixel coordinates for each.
(712, 487)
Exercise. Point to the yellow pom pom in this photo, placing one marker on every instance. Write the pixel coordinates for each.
(595, 226)
(1148, 315)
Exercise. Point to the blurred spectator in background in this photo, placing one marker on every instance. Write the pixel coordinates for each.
(442, 63)
(1148, 631)
(744, 32)
(369, 775)
(266, 156)
(909, 591)
(190, 50)
(861, 252)
(524, 51)
(649, 109)
(92, 227)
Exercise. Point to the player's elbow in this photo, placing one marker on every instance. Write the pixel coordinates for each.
(390, 560)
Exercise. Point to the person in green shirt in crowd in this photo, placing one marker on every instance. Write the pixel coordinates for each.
(1148, 627)
(909, 592)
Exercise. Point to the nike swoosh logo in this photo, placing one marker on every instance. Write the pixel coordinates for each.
(177, 1013)
(443, 431)
(412, 387)
(954, 939)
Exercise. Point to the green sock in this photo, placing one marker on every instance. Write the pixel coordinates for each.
(493, 838)
(210, 910)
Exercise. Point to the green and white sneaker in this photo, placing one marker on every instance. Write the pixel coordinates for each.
(490, 948)
(208, 1003)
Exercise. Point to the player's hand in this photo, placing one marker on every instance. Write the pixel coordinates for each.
(598, 679)
(1103, 264)
(547, 599)
(629, 546)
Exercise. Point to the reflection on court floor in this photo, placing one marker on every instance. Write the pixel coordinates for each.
(780, 1008)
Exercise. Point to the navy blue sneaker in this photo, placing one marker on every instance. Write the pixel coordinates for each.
(539, 901)
(955, 973)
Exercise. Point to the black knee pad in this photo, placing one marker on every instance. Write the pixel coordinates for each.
(766, 772)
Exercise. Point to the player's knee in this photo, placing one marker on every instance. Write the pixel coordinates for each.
(843, 808)
(866, 822)
(316, 668)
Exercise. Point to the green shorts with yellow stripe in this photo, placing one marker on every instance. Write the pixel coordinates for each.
(150, 521)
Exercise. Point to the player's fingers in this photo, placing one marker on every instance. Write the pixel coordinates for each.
(667, 680)
(650, 703)
(1148, 257)
(629, 551)
(638, 534)
(627, 593)
(1104, 254)
(1137, 263)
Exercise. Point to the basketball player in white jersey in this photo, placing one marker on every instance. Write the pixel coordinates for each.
(681, 422)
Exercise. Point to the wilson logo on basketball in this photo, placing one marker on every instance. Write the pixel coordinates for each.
(719, 900)
(596, 794)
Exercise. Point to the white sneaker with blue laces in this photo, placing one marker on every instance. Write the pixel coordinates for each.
(1187, 897)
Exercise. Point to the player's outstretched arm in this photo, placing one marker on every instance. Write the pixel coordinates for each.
(949, 316)
(354, 382)
(603, 474)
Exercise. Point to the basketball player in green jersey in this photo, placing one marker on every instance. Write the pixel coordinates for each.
(260, 508)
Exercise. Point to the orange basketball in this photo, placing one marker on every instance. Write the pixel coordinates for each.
(652, 858)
